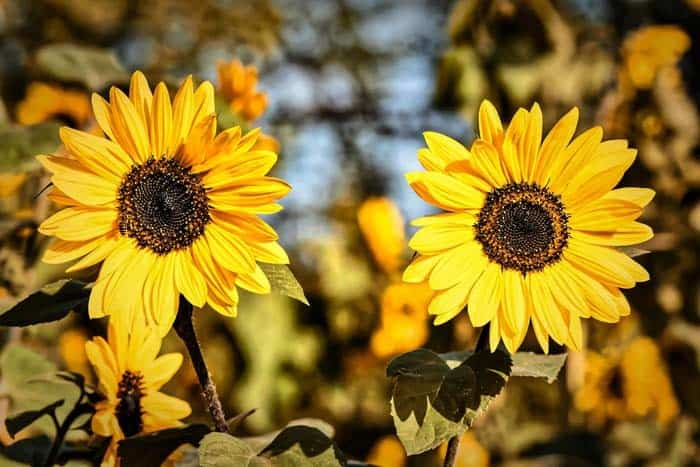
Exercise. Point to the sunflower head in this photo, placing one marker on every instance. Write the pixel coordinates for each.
(130, 374)
(167, 206)
(238, 84)
(529, 229)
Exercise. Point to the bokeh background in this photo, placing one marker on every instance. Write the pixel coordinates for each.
(345, 88)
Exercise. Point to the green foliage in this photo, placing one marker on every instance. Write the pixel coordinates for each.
(283, 281)
(20, 144)
(95, 68)
(154, 448)
(225, 117)
(533, 365)
(294, 446)
(51, 303)
(24, 419)
(432, 402)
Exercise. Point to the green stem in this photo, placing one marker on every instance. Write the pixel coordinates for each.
(62, 429)
(184, 326)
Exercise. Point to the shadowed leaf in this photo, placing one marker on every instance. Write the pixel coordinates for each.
(154, 448)
(24, 419)
(436, 397)
(51, 303)
(29, 451)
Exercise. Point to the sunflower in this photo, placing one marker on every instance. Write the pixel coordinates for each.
(627, 385)
(164, 204)
(130, 375)
(651, 48)
(46, 102)
(238, 84)
(530, 229)
(382, 226)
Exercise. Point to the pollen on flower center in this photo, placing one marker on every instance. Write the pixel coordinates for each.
(522, 226)
(162, 205)
(128, 410)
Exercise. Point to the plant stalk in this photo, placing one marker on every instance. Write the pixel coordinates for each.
(184, 326)
(453, 444)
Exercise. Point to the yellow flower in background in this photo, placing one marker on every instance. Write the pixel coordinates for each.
(71, 346)
(470, 452)
(628, 386)
(382, 226)
(530, 229)
(650, 48)
(45, 102)
(238, 84)
(404, 314)
(267, 143)
(130, 375)
(387, 451)
(166, 206)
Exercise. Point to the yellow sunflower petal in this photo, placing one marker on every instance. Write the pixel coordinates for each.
(80, 184)
(161, 124)
(606, 264)
(162, 369)
(157, 403)
(437, 238)
(189, 280)
(604, 214)
(141, 96)
(463, 264)
(99, 155)
(625, 234)
(573, 158)
(511, 139)
(490, 127)
(79, 223)
(61, 251)
(230, 251)
(103, 115)
(420, 268)
(444, 191)
(487, 162)
(256, 282)
(554, 143)
(269, 252)
(486, 295)
(445, 149)
(183, 112)
(105, 246)
(131, 132)
(513, 306)
(529, 143)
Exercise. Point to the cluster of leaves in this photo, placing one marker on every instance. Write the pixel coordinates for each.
(438, 396)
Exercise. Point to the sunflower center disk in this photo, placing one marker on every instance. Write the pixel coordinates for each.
(522, 226)
(128, 410)
(162, 206)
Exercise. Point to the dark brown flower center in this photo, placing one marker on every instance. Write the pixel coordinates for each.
(522, 226)
(128, 411)
(162, 205)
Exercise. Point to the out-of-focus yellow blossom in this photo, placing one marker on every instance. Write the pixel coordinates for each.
(404, 315)
(470, 452)
(10, 183)
(46, 102)
(238, 84)
(651, 48)
(631, 385)
(71, 346)
(387, 452)
(382, 226)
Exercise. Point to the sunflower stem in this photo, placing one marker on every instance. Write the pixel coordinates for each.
(453, 444)
(184, 326)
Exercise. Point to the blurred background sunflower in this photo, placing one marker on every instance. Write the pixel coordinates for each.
(343, 89)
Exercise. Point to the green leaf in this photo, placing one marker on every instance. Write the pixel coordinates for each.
(294, 446)
(632, 251)
(223, 450)
(534, 365)
(24, 419)
(51, 303)
(154, 448)
(94, 67)
(29, 380)
(19, 145)
(433, 401)
(283, 281)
